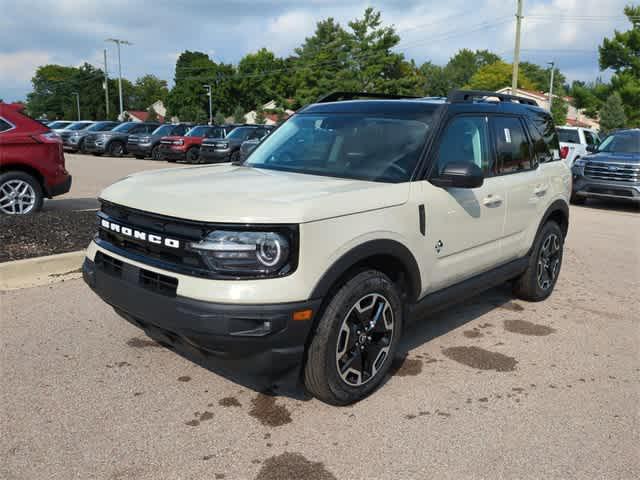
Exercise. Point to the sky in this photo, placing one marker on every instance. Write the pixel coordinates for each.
(71, 32)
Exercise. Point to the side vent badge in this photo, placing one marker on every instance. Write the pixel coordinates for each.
(439, 246)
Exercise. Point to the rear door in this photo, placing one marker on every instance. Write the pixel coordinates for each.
(525, 187)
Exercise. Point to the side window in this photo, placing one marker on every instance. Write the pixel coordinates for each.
(466, 139)
(541, 151)
(541, 125)
(512, 145)
(180, 130)
(138, 129)
(4, 125)
(590, 138)
(151, 128)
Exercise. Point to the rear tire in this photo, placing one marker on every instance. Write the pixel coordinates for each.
(155, 153)
(355, 340)
(81, 147)
(539, 279)
(192, 155)
(20, 194)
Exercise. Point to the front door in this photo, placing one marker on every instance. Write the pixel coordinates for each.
(464, 226)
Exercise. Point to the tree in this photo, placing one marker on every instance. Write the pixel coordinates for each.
(540, 77)
(260, 116)
(238, 114)
(262, 77)
(148, 90)
(559, 110)
(496, 76)
(622, 54)
(612, 114)
(219, 119)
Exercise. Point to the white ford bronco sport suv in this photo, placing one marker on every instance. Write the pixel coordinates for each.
(355, 216)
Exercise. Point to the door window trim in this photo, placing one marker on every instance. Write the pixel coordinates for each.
(12, 126)
(527, 135)
(434, 147)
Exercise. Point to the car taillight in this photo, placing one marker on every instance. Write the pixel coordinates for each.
(564, 152)
(49, 137)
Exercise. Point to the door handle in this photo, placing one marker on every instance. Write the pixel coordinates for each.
(540, 190)
(492, 201)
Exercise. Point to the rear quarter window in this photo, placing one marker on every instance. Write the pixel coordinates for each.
(4, 125)
(546, 144)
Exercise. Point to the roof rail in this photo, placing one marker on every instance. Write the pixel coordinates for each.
(338, 96)
(460, 96)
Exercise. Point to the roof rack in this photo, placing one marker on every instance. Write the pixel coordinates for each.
(460, 96)
(338, 96)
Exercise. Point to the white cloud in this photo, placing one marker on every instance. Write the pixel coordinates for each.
(19, 67)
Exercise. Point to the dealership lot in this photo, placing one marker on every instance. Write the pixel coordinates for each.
(494, 388)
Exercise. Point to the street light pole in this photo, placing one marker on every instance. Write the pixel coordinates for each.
(77, 102)
(553, 68)
(208, 89)
(119, 42)
(106, 84)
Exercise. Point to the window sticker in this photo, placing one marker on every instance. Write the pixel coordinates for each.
(507, 135)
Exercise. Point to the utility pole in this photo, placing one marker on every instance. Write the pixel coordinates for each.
(553, 68)
(77, 95)
(106, 84)
(119, 42)
(208, 89)
(516, 52)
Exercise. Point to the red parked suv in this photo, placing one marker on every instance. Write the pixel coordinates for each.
(187, 147)
(31, 163)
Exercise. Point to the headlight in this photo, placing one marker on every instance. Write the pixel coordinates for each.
(178, 142)
(222, 145)
(245, 253)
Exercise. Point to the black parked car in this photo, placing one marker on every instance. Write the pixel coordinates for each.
(249, 146)
(148, 145)
(612, 171)
(114, 142)
(216, 150)
(73, 140)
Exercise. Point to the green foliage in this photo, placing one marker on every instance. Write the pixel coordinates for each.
(540, 78)
(559, 109)
(260, 118)
(238, 114)
(262, 77)
(612, 113)
(622, 54)
(219, 119)
(148, 89)
(496, 76)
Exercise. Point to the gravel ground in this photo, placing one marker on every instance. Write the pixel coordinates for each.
(45, 233)
(495, 388)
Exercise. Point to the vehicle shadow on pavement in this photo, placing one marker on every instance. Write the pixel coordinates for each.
(416, 334)
(73, 204)
(615, 205)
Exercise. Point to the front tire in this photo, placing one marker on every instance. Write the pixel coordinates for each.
(20, 194)
(356, 340)
(116, 149)
(155, 153)
(539, 279)
(192, 155)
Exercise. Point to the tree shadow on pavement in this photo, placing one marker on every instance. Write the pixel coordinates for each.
(74, 204)
(612, 205)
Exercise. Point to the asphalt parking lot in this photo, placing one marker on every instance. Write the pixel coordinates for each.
(494, 388)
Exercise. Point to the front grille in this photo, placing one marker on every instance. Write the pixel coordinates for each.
(158, 283)
(617, 172)
(133, 139)
(108, 264)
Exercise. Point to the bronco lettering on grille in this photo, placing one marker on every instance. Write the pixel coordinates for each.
(139, 235)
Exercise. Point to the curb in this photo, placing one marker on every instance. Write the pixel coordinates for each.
(33, 272)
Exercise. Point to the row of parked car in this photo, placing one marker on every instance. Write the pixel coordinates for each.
(184, 142)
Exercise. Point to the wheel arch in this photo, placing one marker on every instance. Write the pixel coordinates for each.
(558, 211)
(17, 167)
(388, 256)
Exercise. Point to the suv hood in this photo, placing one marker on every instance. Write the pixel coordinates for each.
(614, 157)
(235, 194)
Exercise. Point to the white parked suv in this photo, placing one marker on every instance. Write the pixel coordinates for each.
(351, 219)
(577, 141)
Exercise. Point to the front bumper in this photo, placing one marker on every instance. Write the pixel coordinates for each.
(95, 147)
(215, 155)
(139, 149)
(590, 188)
(168, 153)
(70, 144)
(259, 339)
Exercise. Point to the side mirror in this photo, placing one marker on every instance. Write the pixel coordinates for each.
(592, 148)
(459, 175)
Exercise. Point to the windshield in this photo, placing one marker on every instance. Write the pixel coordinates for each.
(163, 130)
(372, 147)
(58, 125)
(125, 127)
(78, 126)
(101, 127)
(567, 135)
(625, 142)
(198, 132)
(239, 133)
